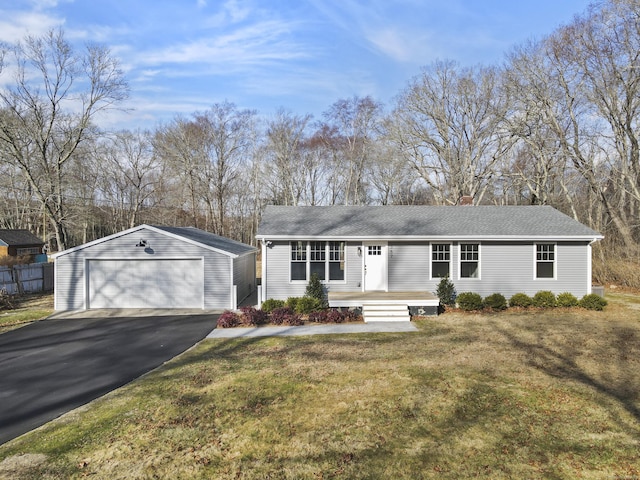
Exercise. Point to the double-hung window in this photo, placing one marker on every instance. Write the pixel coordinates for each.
(318, 259)
(298, 260)
(469, 260)
(440, 260)
(326, 259)
(545, 260)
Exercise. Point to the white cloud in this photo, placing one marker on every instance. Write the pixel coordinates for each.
(14, 25)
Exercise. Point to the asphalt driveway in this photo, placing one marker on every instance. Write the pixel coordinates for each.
(50, 367)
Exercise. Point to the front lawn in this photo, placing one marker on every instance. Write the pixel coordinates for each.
(553, 394)
(26, 309)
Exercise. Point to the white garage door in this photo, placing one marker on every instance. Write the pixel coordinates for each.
(146, 283)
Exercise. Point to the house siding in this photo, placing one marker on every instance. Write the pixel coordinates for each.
(70, 270)
(278, 285)
(505, 267)
(408, 266)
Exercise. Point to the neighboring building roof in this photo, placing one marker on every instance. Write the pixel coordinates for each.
(419, 221)
(19, 237)
(190, 234)
(209, 239)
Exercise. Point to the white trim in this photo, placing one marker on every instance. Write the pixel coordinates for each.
(232, 299)
(327, 261)
(436, 238)
(479, 277)
(535, 261)
(589, 269)
(431, 277)
(263, 273)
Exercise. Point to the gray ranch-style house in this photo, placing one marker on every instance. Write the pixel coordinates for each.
(388, 260)
(155, 267)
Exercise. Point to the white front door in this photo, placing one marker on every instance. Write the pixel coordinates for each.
(375, 265)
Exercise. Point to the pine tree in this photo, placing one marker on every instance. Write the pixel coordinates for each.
(315, 290)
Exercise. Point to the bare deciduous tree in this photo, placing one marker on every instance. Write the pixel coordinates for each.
(50, 103)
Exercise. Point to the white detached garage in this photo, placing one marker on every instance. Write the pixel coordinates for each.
(155, 267)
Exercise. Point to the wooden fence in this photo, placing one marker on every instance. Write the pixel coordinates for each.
(35, 277)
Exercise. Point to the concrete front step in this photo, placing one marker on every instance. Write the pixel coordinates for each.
(385, 313)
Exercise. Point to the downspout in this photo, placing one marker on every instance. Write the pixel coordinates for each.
(590, 265)
(263, 286)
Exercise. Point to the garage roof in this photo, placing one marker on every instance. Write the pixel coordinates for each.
(209, 239)
(193, 235)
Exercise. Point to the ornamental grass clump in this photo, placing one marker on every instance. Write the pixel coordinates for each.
(470, 301)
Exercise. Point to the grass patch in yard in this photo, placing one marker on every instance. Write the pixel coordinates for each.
(26, 309)
(552, 394)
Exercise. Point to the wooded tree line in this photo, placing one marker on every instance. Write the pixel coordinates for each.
(557, 123)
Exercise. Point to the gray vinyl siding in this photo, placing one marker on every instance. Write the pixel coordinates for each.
(509, 268)
(409, 267)
(71, 282)
(277, 274)
(244, 275)
(505, 267)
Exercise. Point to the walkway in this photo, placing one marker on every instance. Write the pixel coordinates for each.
(340, 328)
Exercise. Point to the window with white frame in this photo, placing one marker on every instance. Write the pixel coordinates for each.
(545, 260)
(298, 261)
(469, 260)
(326, 259)
(336, 260)
(440, 260)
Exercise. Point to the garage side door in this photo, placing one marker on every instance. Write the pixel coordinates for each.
(146, 283)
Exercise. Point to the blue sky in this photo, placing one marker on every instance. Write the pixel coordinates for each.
(182, 56)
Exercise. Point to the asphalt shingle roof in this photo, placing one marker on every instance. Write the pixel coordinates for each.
(209, 239)
(420, 221)
(19, 237)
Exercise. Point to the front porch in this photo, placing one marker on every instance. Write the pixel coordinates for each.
(387, 306)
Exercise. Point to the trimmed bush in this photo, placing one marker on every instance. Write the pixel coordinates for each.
(544, 299)
(520, 300)
(280, 315)
(496, 301)
(270, 304)
(228, 319)
(566, 299)
(446, 292)
(335, 316)
(316, 290)
(252, 317)
(352, 316)
(319, 316)
(469, 301)
(293, 320)
(592, 301)
(292, 302)
(307, 305)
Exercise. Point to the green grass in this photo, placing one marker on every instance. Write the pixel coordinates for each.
(26, 309)
(552, 394)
